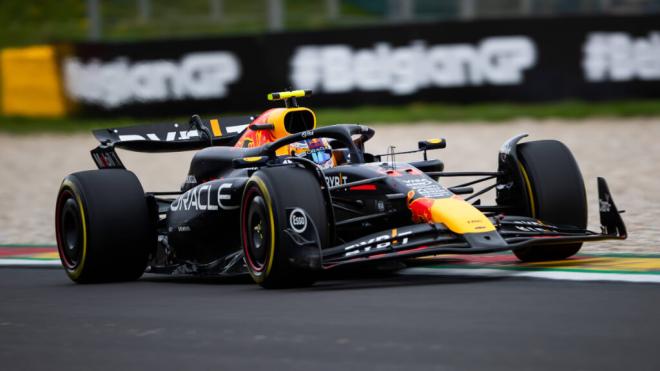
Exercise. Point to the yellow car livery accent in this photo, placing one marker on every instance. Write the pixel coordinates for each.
(252, 159)
(271, 249)
(434, 141)
(460, 216)
(528, 185)
(215, 128)
(289, 94)
(78, 270)
(276, 117)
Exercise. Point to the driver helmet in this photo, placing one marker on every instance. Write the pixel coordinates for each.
(316, 150)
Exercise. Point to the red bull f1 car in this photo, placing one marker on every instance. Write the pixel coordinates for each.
(280, 199)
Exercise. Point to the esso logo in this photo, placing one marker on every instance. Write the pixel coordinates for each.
(298, 220)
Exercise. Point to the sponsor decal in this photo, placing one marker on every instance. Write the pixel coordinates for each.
(298, 220)
(190, 179)
(378, 243)
(172, 136)
(236, 129)
(403, 70)
(225, 197)
(427, 188)
(336, 180)
(210, 197)
(604, 205)
(106, 159)
(169, 137)
(618, 56)
(530, 226)
(111, 84)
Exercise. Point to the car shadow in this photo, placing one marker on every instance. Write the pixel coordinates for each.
(370, 277)
(206, 280)
(348, 278)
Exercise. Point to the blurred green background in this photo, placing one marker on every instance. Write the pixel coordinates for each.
(27, 22)
(47, 21)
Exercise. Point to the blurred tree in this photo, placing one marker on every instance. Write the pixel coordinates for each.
(29, 22)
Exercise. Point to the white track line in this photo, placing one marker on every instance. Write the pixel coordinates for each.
(29, 263)
(553, 275)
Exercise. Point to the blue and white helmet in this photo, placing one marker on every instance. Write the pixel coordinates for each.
(316, 150)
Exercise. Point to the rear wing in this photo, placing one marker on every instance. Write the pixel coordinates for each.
(174, 137)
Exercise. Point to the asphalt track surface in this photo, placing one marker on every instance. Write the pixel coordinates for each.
(381, 322)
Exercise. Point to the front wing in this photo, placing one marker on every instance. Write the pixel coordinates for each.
(511, 233)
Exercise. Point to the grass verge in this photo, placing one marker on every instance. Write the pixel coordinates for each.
(489, 112)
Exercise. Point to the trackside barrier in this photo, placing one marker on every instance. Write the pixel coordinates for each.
(31, 83)
(517, 60)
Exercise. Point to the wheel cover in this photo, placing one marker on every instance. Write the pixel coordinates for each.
(70, 230)
(256, 231)
(528, 187)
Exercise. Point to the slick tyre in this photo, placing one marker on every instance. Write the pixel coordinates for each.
(269, 252)
(556, 192)
(103, 228)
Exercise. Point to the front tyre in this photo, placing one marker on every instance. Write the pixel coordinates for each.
(556, 193)
(269, 198)
(103, 228)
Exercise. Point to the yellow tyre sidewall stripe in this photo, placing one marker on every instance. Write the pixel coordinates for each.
(528, 185)
(260, 277)
(75, 273)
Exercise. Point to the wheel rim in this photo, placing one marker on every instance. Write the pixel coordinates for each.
(69, 230)
(256, 231)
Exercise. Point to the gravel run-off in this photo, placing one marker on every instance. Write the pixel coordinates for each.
(624, 151)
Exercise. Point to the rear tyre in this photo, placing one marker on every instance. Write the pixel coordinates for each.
(556, 194)
(269, 252)
(104, 231)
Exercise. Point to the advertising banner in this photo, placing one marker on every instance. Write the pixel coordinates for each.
(523, 60)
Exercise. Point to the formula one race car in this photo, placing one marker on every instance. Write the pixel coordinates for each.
(278, 198)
